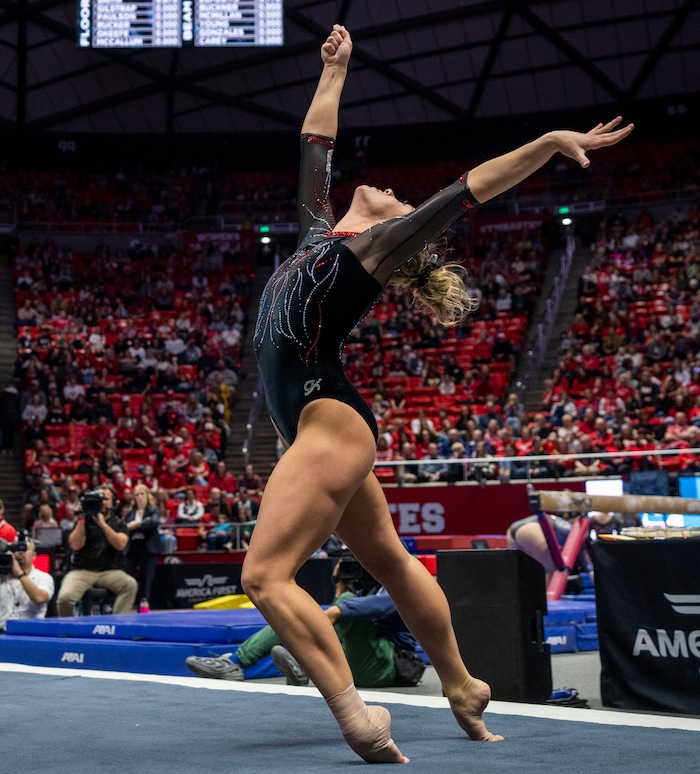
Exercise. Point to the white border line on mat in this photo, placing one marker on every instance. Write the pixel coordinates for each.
(544, 711)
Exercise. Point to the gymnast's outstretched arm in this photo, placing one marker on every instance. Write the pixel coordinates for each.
(322, 115)
(499, 174)
(318, 133)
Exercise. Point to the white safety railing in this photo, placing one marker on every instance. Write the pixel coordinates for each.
(537, 461)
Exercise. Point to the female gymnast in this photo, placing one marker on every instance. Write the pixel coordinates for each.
(324, 483)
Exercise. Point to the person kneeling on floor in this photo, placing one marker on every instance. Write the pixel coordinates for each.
(379, 648)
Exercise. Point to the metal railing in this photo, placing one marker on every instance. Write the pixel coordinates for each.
(237, 531)
(532, 461)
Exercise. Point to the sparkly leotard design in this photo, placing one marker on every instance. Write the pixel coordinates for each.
(317, 296)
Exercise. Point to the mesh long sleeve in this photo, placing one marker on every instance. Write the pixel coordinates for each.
(314, 209)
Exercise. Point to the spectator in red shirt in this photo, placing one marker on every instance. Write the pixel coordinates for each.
(580, 328)
(525, 444)
(492, 439)
(101, 432)
(121, 484)
(222, 478)
(210, 435)
(384, 309)
(484, 386)
(384, 453)
(181, 454)
(602, 439)
(548, 394)
(623, 387)
(679, 429)
(124, 434)
(67, 508)
(7, 531)
(172, 481)
(148, 479)
(589, 360)
(483, 347)
(145, 432)
(587, 423)
(580, 381)
(425, 438)
(198, 470)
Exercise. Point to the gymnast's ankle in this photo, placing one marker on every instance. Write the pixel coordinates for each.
(366, 729)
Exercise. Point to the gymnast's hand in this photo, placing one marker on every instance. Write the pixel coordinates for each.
(575, 145)
(337, 48)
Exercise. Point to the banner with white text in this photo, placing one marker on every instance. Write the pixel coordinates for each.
(648, 601)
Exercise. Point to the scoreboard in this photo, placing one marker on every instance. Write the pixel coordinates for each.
(179, 23)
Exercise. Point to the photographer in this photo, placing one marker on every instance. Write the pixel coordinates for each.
(25, 591)
(97, 541)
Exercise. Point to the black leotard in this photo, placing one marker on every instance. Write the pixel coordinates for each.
(318, 295)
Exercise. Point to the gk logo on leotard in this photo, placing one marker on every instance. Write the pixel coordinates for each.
(311, 386)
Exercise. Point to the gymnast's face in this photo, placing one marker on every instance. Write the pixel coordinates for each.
(378, 204)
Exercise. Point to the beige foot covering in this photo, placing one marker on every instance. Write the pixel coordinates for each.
(366, 729)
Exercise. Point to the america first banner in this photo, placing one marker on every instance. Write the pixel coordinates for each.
(648, 603)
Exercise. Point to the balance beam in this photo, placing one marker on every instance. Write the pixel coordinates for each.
(578, 502)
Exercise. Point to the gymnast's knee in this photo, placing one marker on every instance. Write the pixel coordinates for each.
(260, 585)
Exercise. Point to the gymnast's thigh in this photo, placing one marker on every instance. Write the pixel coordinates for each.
(312, 483)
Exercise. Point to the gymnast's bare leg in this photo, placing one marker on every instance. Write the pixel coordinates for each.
(368, 530)
(304, 500)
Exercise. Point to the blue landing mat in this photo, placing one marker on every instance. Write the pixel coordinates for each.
(157, 643)
(571, 625)
(225, 626)
(570, 611)
(150, 658)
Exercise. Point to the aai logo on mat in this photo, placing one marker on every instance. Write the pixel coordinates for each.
(108, 629)
(72, 658)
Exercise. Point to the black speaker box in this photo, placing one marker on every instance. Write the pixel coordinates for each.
(498, 600)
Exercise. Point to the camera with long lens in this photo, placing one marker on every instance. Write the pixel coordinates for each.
(91, 501)
(6, 551)
(351, 571)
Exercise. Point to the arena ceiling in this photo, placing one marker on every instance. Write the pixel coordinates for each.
(415, 61)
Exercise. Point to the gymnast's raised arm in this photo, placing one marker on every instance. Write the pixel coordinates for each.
(317, 136)
(322, 115)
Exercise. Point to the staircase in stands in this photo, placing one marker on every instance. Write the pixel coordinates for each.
(11, 483)
(263, 445)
